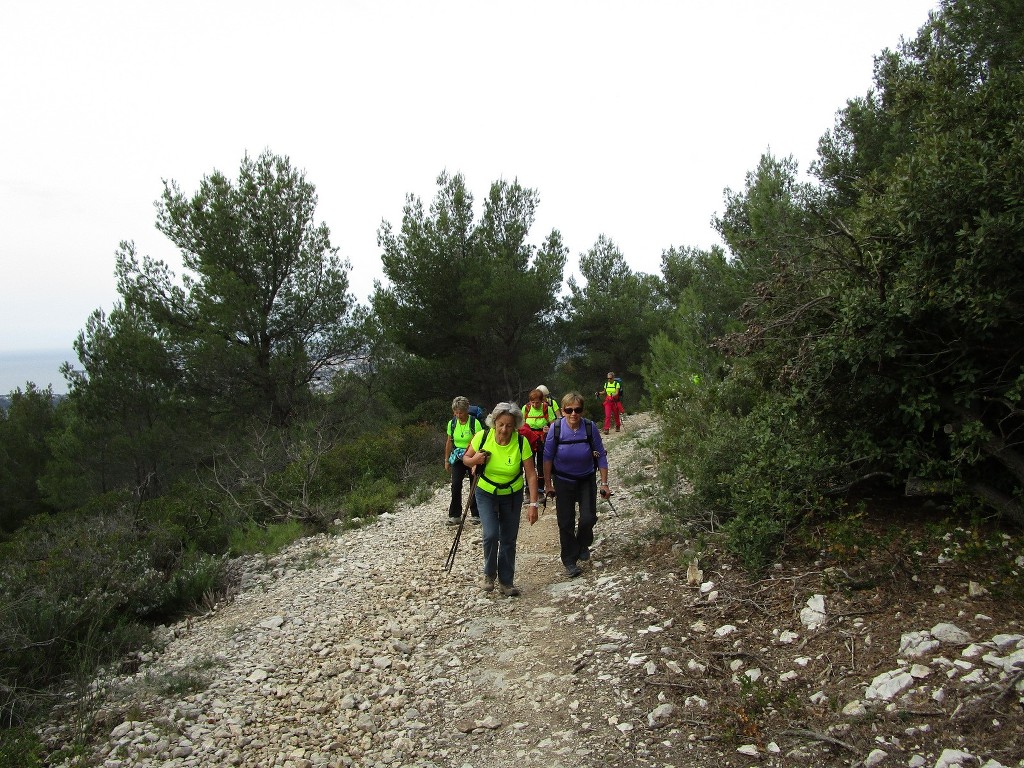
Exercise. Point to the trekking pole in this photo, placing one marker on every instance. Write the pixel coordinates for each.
(462, 524)
(607, 496)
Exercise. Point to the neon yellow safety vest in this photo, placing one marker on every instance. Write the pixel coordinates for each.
(503, 473)
(611, 388)
(538, 418)
(462, 433)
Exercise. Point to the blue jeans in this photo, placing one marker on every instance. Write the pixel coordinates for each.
(499, 524)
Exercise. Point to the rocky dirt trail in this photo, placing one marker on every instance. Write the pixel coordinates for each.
(359, 650)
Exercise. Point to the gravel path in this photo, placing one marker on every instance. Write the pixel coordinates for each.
(360, 650)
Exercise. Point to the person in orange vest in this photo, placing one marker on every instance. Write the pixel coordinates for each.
(612, 396)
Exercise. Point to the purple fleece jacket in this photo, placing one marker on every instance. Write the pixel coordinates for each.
(574, 459)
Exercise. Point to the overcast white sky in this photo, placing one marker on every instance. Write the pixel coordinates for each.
(628, 118)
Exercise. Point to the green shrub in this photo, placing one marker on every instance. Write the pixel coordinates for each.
(20, 748)
(189, 517)
(253, 538)
(371, 499)
(195, 580)
(401, 455)
(75, 591)
(758, 468)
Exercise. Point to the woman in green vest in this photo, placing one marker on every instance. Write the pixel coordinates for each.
(612, 395)
(461, 427)
(502, 457)
(538, 416)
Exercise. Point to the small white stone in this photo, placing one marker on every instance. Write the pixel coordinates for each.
(954, 758)
(950, 633)
(855, 709)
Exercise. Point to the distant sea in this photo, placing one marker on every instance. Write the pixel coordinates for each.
(40, 366)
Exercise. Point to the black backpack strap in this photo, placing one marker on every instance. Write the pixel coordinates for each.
(590, 439)
(472, 418)
(510, 483)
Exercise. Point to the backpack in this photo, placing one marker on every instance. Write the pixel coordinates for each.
(530, 406)
(510, 483)
(477, 412)
(535, 436)
(589, 427)
(472, 418)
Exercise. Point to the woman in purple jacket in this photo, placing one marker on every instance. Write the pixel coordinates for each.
(573, 457)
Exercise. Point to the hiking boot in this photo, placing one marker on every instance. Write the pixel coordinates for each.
(487, 585)
(475, 520)
(606, 431)
(510, 590)
(617, 429)
(572, 571)
(584, 554)
(453, 521)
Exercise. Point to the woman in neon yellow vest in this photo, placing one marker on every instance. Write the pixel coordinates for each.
(612, 395)
(538, 416)
(460, 429)
(501, 457)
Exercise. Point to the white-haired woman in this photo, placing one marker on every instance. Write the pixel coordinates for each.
(550, 400)
(502, 458)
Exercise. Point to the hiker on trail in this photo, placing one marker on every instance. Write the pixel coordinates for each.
(612, 398)
(502, 457)
(550, 400)
(537, 418)
(461, 427)
(574, 456)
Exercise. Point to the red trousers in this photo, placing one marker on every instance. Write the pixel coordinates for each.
(612, 408)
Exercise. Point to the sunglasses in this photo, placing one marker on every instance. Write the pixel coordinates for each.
(572, 410)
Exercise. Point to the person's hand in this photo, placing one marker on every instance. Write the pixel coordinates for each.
(448, 466)
(550, 491)
(532, 515)
(605, 491)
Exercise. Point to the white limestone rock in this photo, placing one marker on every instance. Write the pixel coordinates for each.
(812, 615)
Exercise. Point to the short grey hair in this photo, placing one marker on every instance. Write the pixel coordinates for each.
(460, 404)
(510, 408)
